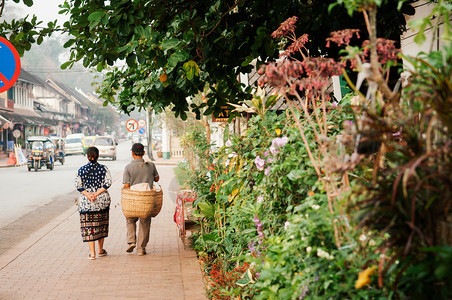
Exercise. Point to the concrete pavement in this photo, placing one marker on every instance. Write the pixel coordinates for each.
(52, 262)
(3, 163)
(157, 161)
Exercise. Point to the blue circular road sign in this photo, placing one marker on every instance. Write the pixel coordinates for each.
(9, 65)
(142, 130)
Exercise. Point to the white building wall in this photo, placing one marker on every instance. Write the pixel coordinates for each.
(408, 45)
(217, 133)
(166, 140)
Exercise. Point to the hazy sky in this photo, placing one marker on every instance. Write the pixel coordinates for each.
(45, 10)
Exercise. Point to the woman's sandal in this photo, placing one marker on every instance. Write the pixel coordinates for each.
(104, 253)
(91, 257)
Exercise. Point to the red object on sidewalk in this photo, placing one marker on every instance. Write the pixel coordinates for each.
(12, 159)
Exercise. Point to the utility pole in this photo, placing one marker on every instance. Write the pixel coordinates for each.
(149, 112)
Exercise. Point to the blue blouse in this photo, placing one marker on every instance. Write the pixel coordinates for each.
(92, 177)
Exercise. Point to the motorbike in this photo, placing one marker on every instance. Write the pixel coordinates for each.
(59, 149)
(41, 153)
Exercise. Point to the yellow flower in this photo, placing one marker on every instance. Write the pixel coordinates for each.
(278, 131)
(364, 277)
(233, 194)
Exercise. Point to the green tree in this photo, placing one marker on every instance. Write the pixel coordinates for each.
(25, 32)
(172, 49)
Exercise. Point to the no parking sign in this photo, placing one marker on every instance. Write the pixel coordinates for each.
(9, 65)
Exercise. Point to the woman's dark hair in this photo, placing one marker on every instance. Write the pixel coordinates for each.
(93, 154)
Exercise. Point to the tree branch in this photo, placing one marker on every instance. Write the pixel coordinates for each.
(371, 23)
(2, 5)
(222, 17)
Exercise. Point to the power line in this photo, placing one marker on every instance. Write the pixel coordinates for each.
(57, 71)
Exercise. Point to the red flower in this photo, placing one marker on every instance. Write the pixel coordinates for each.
(285, 27)
(342, 37)
(386, 50)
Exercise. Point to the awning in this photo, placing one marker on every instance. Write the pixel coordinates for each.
(5, 123)
(27, 120)
(3, 119)
(14, 118)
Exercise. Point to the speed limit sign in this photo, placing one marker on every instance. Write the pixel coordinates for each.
(141, 123)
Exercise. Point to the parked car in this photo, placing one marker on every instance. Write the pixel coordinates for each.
(87, 142)
(73, 143)
(106, 146)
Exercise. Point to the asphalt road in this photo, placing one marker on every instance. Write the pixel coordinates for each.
(30, 199)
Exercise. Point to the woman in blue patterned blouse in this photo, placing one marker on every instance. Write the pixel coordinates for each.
(93, 180)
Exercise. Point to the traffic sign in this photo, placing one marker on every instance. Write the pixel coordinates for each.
(9, 65)
(142, 130)
(132, 125)
(141, 123)
(16, 134)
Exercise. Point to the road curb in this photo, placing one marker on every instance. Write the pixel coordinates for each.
(7, 166)
(169, 162)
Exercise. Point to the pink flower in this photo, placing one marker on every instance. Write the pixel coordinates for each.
(260, 198)
(386, 50)
(267, 171)
(285, 27)
(260, 163)
(342, 37)
(280, 142)
(296, 46)
(274, 150)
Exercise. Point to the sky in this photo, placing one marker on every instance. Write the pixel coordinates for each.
(45, 10)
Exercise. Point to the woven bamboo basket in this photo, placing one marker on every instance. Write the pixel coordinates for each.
(141, 204)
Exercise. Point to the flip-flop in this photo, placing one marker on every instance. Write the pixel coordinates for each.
(91, 257)
(104, 253)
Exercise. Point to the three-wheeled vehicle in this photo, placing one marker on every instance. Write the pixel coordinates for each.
(59, 148)
(40, 151)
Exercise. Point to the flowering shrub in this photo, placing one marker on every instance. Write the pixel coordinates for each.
(223, 282)
(336, 201)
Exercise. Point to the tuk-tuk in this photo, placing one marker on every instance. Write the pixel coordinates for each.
(40, 150)
(59, 148)
(87, 142)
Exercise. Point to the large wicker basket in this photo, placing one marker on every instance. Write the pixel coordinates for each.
(141, 204)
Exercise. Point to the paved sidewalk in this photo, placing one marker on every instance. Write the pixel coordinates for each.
(52, 263)
(157, 161)
(3, 163)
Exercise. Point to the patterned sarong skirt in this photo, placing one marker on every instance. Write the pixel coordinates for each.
(94, 225)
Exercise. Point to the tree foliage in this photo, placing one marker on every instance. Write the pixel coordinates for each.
(172, 49)
(25, 32)
(158, 53)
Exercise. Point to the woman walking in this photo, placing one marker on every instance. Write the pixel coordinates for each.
(92, 182)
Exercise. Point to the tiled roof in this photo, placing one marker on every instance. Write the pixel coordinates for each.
(28, 77)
